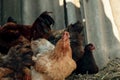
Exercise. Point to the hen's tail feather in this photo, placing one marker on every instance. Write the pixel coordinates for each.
(47, 17)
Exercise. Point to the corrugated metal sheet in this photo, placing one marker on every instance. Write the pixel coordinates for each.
(26, 11)
(10, 8)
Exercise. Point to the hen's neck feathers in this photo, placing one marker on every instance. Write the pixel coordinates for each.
(62, 49)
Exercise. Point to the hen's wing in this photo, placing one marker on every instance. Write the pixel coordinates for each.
(43, 63)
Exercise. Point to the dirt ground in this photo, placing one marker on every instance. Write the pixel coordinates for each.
(110, 72)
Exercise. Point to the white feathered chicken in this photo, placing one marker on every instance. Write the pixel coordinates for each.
(39, 47)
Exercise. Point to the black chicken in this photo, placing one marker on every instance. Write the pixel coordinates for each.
(87, 64)
(11, 19)
(76, 39)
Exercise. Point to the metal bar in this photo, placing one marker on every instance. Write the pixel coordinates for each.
(65, 14)
(1, 10)
(84, 21)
